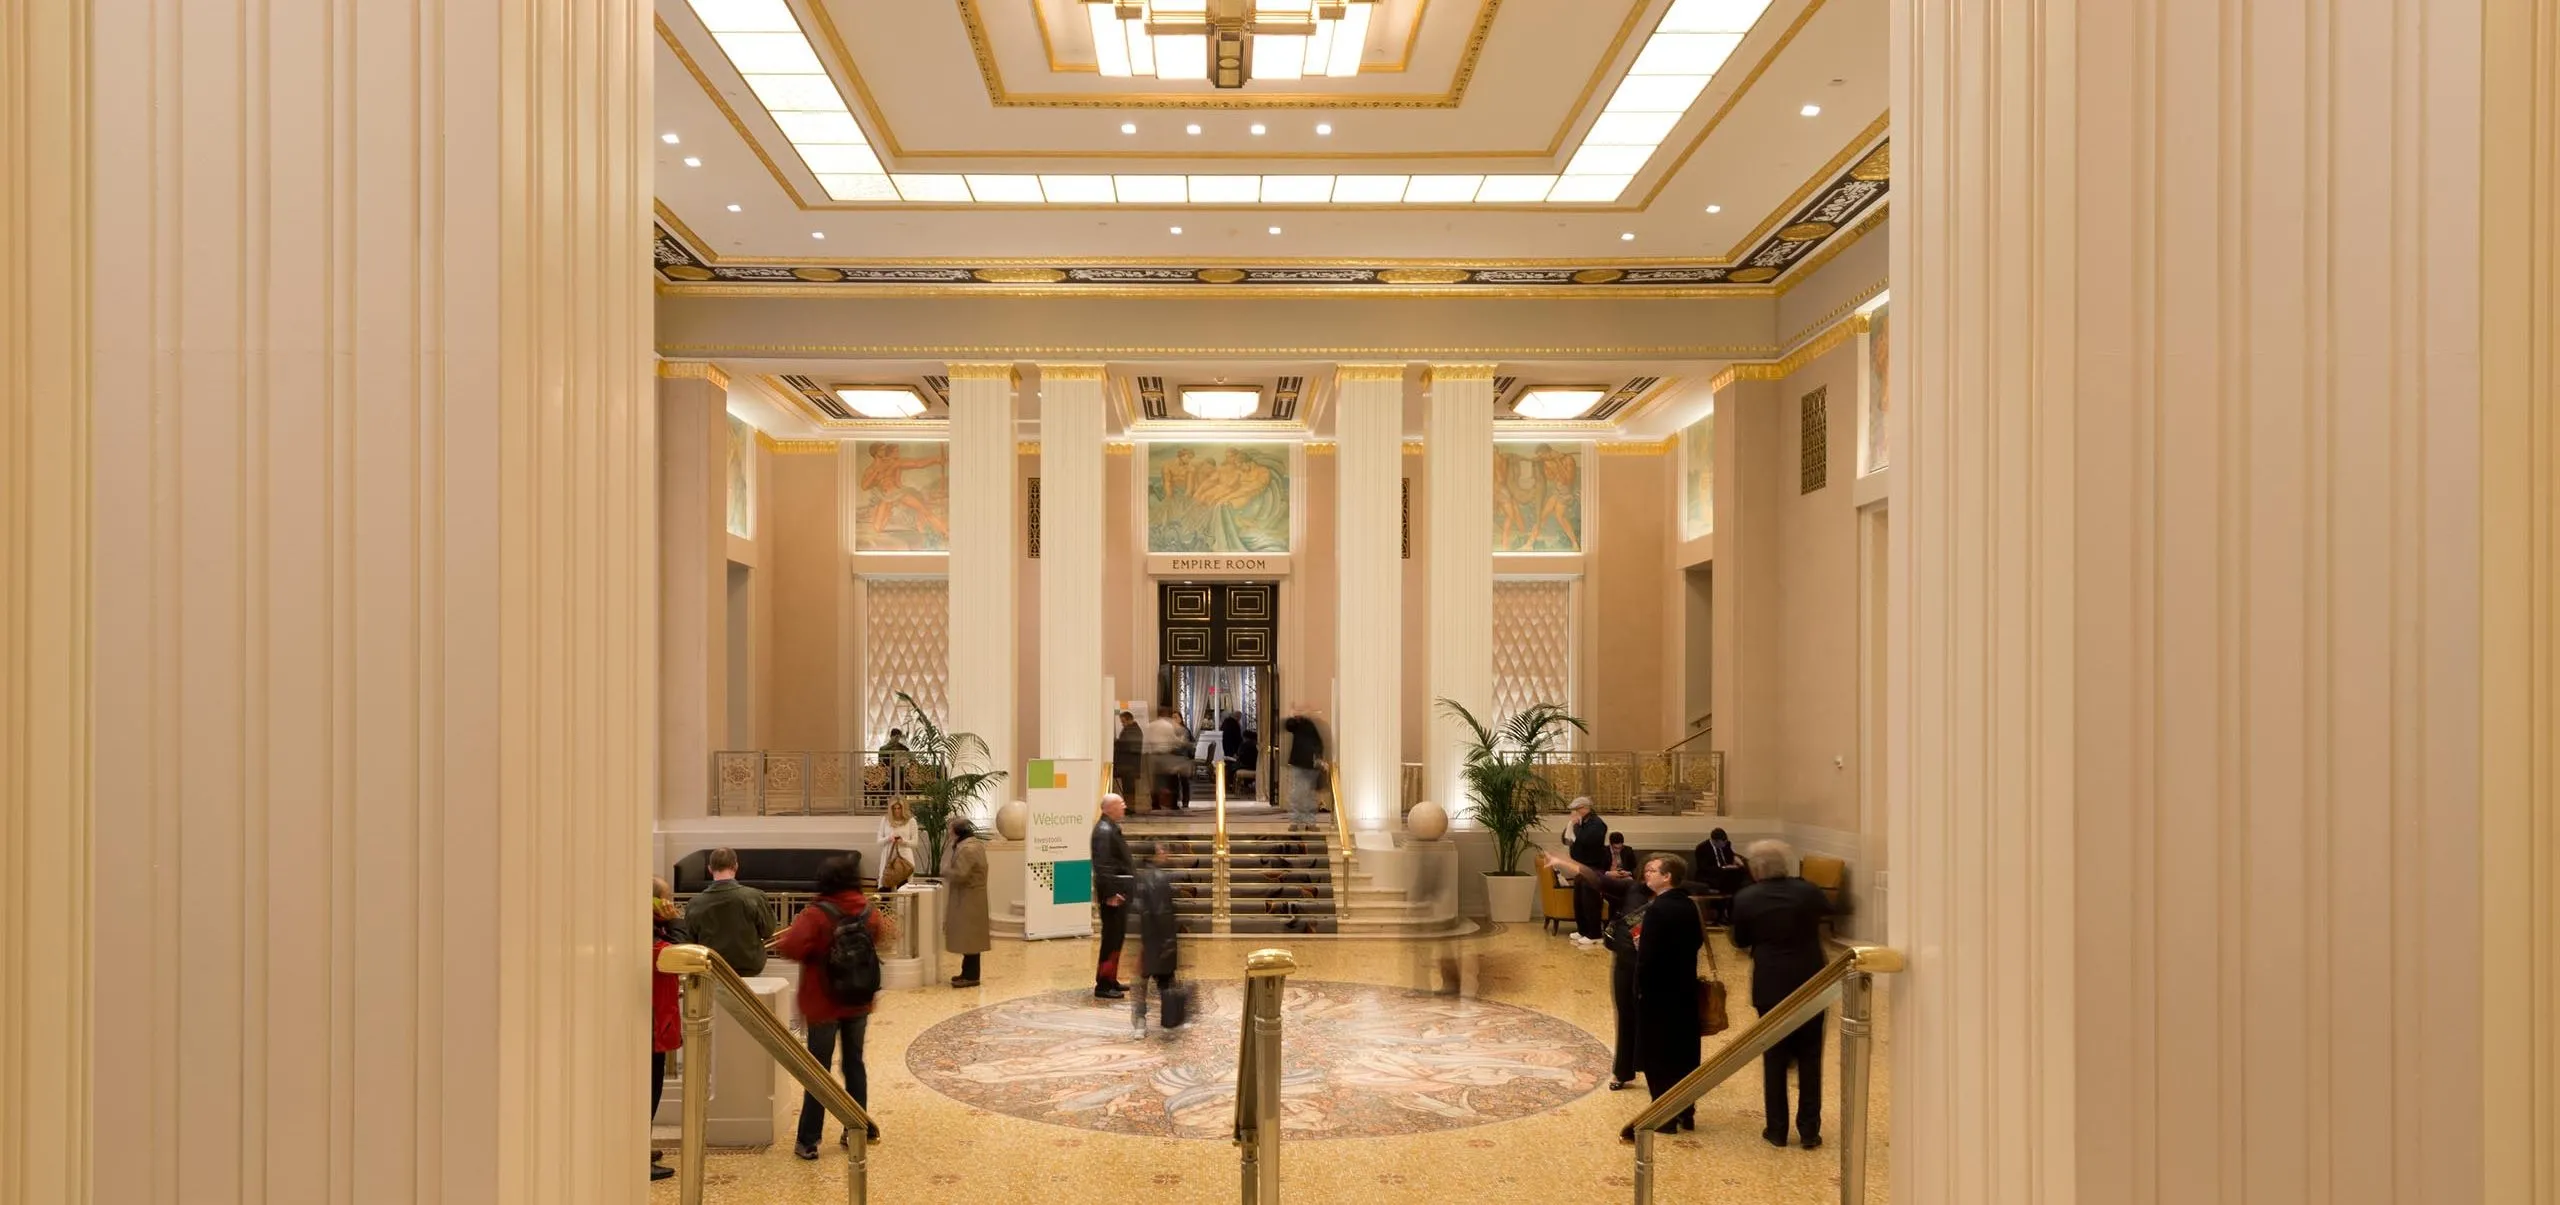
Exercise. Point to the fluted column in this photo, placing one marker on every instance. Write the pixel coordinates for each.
(1458, 465)
(2184, 715)
(1072, 411)
(1368, 735)
(983, 673)
(46, 816)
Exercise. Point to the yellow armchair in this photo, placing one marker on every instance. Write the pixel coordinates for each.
(1556, 902)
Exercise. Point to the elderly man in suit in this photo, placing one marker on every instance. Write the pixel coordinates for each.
(1778, 919)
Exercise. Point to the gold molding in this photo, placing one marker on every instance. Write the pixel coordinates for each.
(767, 442)
(1696, 292)
(1026, 447)
(1822, 343)
(965, 370)
(1846, 309)
(1415, 447)
(1073, 372)
(1634, 448)
(1820, 179)
(694, 370)
(1368, 372)
(1838, 243)
(805, 447)
(1118, 447)
(946, 351)
(1049, 48)
(1480, 371)
(1322, 447)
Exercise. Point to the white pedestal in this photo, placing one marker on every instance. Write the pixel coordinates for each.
(743, 1076)
(915, 959)
(1005, 885)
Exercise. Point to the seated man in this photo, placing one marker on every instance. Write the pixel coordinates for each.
(1720, 874)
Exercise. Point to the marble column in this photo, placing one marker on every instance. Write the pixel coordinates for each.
(371, 656)
(1072, 411)
(983, 583)
(693, 581)
(2185, 681)
(47, 814)
(1368, 734)
(1458, 467)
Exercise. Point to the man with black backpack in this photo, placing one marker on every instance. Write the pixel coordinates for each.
(837, 942)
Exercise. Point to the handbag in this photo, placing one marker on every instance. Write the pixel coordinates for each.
(895, 874)
(1711, 1013)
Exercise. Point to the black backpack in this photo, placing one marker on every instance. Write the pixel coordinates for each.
(851, 964)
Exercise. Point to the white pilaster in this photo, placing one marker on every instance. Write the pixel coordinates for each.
(1458, 466)
(983, 507)
(1072, 411)
(374, 657)
(2184, 715)
(693, 580)
(1368, 425)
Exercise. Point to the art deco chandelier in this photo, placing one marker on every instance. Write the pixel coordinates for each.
(1228, 42)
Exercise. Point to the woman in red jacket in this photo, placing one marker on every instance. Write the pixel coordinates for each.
(805, 942)
(666, 1025)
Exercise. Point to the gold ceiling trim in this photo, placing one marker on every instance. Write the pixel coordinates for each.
(1049, 46)
(1118, 447)
(764, 441)
(1813, 263)
(949, 353)
(1845, 309)
(805, 447)
(1630, 447)
(1433, 374)
(1000, 370)
(1369, 372)
(1699, 292)
(1821, 178)
(1820, 345)
(1026, 447)
(983, 49)
(693, 370)
(1072, 372)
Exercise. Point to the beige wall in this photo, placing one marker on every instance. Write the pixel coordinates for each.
(1813, 631)
(1627, 587)
(1752, 476)
(808, 577)
(693, 589)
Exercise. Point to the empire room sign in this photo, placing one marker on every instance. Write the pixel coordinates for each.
(1218, 565)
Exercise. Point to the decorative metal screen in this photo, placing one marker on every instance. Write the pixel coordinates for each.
(1033, 521)
(1532, 646)
(1817, 440)
(906, 646)
(1218, 623)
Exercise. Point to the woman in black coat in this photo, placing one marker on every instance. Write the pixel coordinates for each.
(1668, 935)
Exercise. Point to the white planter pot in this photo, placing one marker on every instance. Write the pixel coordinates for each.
(1507, 897)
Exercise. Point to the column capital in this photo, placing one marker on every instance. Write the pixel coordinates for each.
(981, 371)
(1070, 372)
(1368, 372)
(693, 370)
(1437, 373)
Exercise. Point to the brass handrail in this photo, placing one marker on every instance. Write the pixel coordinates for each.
(1257, 1131)
(1341, 820)
(1222, 808)
(704, 974)
(1848, 978)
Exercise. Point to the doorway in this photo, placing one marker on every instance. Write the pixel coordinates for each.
(1218, 652)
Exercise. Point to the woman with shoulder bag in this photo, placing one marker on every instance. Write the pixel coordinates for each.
(1668, 935)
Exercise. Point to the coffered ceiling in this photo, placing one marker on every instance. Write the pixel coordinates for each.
(989, 145)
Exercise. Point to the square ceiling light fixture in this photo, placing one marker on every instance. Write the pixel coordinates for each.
(1229, 42)
(1221, 401)
(881, 401)
(1558, 402)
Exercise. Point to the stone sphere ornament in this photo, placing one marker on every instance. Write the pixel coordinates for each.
(1427, 821)
(1013, 820)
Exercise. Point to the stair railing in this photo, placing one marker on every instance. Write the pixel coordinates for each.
(1221, 867)
(1849, 979)
(701, 975)
(1258, 1074)
(1341, 820)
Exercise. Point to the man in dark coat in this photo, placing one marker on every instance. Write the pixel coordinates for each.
(1668, 935)
(1159, 937)
(1586, 840)
(1113, 877)
(1778, 919)
(1128, 755)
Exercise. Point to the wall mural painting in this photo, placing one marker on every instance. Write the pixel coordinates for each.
(1878, 386)
(1698, 478)
(1226, 498)
(742, 446)
(905, 497)
(1537, 497)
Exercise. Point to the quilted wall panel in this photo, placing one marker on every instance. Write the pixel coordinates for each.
(906, 646)
(1532, 646)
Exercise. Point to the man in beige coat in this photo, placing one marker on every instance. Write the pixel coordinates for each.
(964, 878)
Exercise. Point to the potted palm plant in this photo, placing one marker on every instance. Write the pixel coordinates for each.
(951, 776)
(1505, 794)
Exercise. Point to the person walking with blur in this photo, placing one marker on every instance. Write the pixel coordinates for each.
(1159, 940)
(1165, 748)
(1778, 919)
(964, 926)
(837, 942)
(666, 1021)
(1128, 756)
(731, 917)
(1306, 761)
(1113, 876)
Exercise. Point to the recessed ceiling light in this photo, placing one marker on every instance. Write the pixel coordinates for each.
(817, 234)
(1628, 236)
(1811, 110)
(881, 401)
(1715, 209)
(1275, 230)
(1128, 127)
(1257, 129)
(1557, 402)
(1222, 402)
(669, 139)
(1177, 230)
(690, 161)
(733, 209)
(1193, 128)
(1324, 127)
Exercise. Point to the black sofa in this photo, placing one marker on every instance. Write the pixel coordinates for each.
(762, 869)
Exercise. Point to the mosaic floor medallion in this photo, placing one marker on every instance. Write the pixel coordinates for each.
(1362, 1061)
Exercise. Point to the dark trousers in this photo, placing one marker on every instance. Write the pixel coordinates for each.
(1586, 909)
(968, 966)
(657, 1082)
(1115, 934)
(1622, 989)
(823, 1037)
(1138, 999)
(1803, 1048)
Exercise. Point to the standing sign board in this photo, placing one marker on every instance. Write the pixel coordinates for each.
(1058, 899)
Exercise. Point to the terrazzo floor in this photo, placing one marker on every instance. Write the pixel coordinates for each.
(1508, 1121)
